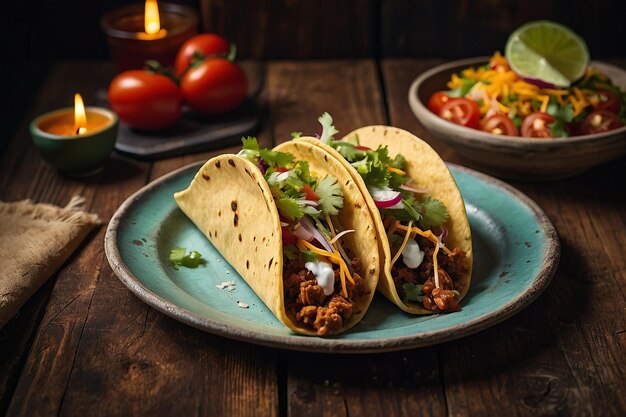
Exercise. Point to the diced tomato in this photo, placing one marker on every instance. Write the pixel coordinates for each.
(436, 101)
(288, 237)
(535, 125)
(462, 111)
(499, 124)
(606, 100)
(280, 169)
(599, 121)
(310, 194)
(362, 148)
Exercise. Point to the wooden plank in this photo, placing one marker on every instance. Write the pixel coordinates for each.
(390, 384)
(451, 29)
(562, 355)
(24, 175)
(285, 29)
(92, 359)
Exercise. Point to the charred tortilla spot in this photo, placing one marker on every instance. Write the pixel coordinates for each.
(236, 220)
(205, 176)
(347, 182)
(231, 162)
(269, 264)
(385, 132)
(247, 172)
(215, 233)
(247, 264)
(240, 237)
(372, 271)
(233, 205)
(219, 213)
(254, 238)
(357, 205)
(217, 164)
(326, 158)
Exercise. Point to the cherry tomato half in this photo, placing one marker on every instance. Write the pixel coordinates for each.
(145, 100)
(461, 111)
(608, 101)
(535, 125)
(499, 124)
(205, 44)
(599, 121)
(436, 101)
(310, 194)
(214, 86)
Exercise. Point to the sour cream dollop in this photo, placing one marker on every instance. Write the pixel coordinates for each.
(324, 275)
(412, 255)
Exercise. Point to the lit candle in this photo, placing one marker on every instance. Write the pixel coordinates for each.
(77, 141)
(137, 33)
(152, 22)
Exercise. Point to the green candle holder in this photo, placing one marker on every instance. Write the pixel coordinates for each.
(71, 154)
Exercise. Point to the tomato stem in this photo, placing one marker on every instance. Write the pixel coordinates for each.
(155, 67)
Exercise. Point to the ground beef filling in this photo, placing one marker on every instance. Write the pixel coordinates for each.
(451, 268)
(305, 300)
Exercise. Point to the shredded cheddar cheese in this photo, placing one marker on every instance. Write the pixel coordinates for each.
(333, 257)
(428, 235)
(498, 90)
(396, 170)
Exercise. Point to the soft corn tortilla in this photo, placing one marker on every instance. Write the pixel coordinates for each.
(231, 203)
(427, 170)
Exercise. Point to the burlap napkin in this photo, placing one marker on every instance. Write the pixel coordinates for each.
(35, 240)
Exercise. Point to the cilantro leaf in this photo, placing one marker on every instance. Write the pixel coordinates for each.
(290, 208)
(330, 194)
(281, 159)
(250, 143)
(309, 256)
(295, 135)
(290, 252)
(328, 130)
(412, 292)
(348, 150)
(434, 213)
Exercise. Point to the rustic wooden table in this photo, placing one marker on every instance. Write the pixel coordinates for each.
(85, 346)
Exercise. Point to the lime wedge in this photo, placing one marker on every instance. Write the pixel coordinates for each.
(548, 52)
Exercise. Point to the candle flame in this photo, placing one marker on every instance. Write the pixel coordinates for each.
(152, 23)
(80, 118)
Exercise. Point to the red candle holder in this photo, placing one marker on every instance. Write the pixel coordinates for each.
(130, 46)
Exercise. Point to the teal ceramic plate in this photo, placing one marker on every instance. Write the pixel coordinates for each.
(516, 251)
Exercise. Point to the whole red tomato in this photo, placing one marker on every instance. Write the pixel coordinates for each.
(205, 44)
(145, 100)
(214, 86)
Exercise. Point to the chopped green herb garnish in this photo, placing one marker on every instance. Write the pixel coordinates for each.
(182, 257)
(412, 292)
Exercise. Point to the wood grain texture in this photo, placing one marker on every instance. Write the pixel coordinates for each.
(563, 355)
(280, 29)
(405, 383)
(466, 28)
(101, 351)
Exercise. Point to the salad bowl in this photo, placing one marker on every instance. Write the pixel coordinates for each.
(516, 157)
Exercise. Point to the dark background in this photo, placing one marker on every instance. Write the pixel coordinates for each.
(37, 33)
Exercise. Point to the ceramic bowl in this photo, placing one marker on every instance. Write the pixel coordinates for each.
(79, 155)
(516, 157)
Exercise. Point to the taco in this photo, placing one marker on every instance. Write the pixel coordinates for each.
(295, 226)
(424, 235)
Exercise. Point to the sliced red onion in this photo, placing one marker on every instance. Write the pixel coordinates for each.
(310, 203)
(317, 136)
(305, 222)
(539, 83)
(406, 187)
(397, 206)
(385, 197)
(442, 236)
(339, 235)
(302, 233)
